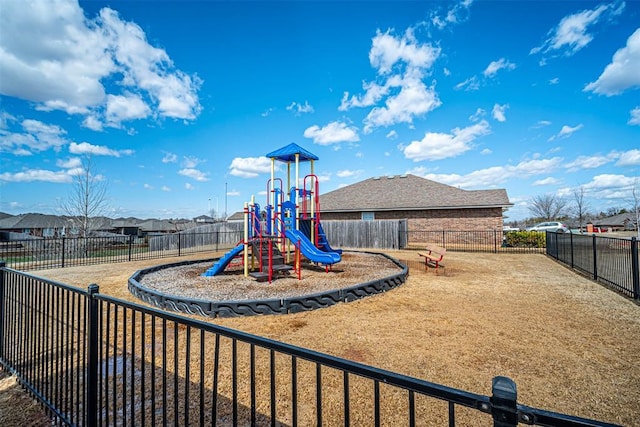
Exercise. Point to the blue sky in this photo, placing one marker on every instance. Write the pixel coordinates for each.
(177, 101)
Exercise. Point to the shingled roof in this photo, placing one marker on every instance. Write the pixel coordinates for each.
(408, 192)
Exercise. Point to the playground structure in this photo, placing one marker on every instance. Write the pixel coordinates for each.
(288, 226)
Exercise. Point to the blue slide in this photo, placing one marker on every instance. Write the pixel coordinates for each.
(223, 262)
(310, 251)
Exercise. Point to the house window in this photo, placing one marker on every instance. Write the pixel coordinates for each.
(368, 216)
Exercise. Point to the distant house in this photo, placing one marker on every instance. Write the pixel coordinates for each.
(38, 225)
(236, 217)
(42, 225)
(426, 204)
(620, 222)
(204, 219)
(141, 228)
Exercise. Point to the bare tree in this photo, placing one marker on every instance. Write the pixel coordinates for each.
(87, 198)
(547, 206)
(580, 205)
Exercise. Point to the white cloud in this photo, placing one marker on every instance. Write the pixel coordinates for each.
(495, 66)
(72, 63)
(541, 123)
(190, 161)
(571, 34)
(591, 162)
(486, 152)
(478, 115)
(250, 167)
(334, 132)
(169, 158)
(125, 107)
(635, 117)
(414, 99)
(387, 50)
(392, 135)
(546, 181)
(629, 158)
(92, 122)
(165, 188)
(71, 163)
(194, 174)
(401, 63)
(468, 85)
(609, 181)
(147, 186)
(566, 131)
(623, 72)
(554, 81)
(36, 136)
(498, 112)
(97, 150)
(348, 173)
(456, 14)
(31, 175)
(188, 186)
(300, 108)
(496, 175)
(436, 146)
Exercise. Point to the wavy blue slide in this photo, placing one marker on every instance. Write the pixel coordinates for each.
(223, 262)
(310, 251)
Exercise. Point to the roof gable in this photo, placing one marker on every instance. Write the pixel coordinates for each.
(408, 192)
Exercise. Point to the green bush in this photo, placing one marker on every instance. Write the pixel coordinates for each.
(526, 239)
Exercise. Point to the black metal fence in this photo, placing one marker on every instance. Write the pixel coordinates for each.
(66, 252)
(96, 360)
(611, 261)
(467, 241)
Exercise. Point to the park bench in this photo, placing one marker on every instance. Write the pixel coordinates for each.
(433, 256)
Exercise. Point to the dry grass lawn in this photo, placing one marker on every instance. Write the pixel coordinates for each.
(571, 345)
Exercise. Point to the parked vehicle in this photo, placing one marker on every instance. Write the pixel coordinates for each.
(554, 226)
(506, 228)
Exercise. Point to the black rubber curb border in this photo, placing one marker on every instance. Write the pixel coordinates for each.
(257, 307)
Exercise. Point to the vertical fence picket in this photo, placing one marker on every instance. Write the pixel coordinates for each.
(91, 384)
(3, 321)
(635, 268)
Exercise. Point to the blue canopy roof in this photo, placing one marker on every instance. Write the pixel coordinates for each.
(288, 154)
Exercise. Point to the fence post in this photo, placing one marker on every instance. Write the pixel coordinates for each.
(179, 245)
(571, 246)
(495, 241)
(130, 245)
(3, 264)
(91, 386)
(443, 244)
(504, 407)
(595, 257)
(63, 250)
(635, 269)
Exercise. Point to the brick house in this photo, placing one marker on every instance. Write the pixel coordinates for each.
(426, 204)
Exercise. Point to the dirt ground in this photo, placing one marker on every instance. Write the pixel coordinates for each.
(571, 345)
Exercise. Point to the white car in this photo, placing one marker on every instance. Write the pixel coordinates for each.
(555, 226)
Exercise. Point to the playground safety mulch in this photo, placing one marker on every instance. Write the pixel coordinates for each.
(570, 344)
